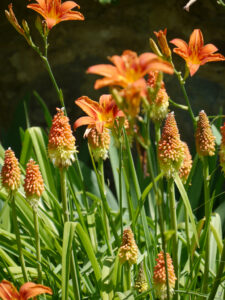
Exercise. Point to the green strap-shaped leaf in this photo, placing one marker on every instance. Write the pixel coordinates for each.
(187, 205)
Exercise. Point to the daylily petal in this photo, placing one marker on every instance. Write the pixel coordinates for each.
(207, 49)
(89, 106)
(104, 70)
(38, 9)
(31, 289)
(8, 291)
(105, 101)
(196, 39)
(72, 15)
(157, 65)
(42, 3)
(193, 68)
(83, 121)
(118, 62)
(213, 57)
(182, 45)
(99, 83)
(180, 52)
(68, 5)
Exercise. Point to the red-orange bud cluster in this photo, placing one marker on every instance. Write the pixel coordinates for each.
(186, 164)
(222, 148)
(170, 148)
(128, 251)
(61, 143)
(204, 138)
(33, 184)
(10, 174)
(159, 277)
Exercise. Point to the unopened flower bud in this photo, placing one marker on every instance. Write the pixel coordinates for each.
(61, 142)
(10, 174)
(159, 277)
(162, 41)
(99, 142)
(141, 283)
(170, 148)
(128, 251)
(33, 184)
(155, 48)
(186, 164)
(204, 138)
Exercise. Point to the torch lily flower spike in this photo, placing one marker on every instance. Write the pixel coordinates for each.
(195, 53)
(28, 290)
(54, 12)
(100, 115)
(128, 68)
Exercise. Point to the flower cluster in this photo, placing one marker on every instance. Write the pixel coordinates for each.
(128, 251)
(222, 148)
(186, 165)
(159, 103)
(204, 138)
(141, 282)
(127, 76)
(61, 142)
(170, 148)
(10, 173)
(159, 277)
(33, 184)
(101, 117)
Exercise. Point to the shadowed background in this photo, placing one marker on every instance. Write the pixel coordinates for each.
(107, 30)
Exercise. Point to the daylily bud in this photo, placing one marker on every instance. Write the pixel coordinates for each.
(170, 148)
(141, 283)
(155, 48)
(33, 184)
(10, 174)
(161, 36)
(222, 148)
(204, 138)
(186, 164)
(99, 142)
(128, 251)
(159, 277)
(13, 20)
(61, 142)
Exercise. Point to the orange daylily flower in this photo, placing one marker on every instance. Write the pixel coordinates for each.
(128, 68)
(28, 290)
(100, 115)
(195, 53)
(54, 12)
(161, 37)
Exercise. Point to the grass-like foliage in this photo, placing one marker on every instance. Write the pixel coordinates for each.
(64, 234)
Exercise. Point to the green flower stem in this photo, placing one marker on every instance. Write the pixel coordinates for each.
(219, 275)
(38, 246)
(120, 187)
(63, 194)
(208, 216)
(106, 221)
(18, 240)
(182, 85)
(75, 280)
(127, 276)
(104, 201)
(175, 235)
(188, 242)
(159, 204)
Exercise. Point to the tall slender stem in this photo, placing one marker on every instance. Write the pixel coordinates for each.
(101, 172)
(120, 187)
(18, 240)
(38, 246)
(207, 215)
(127, 276)
(175, 235)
